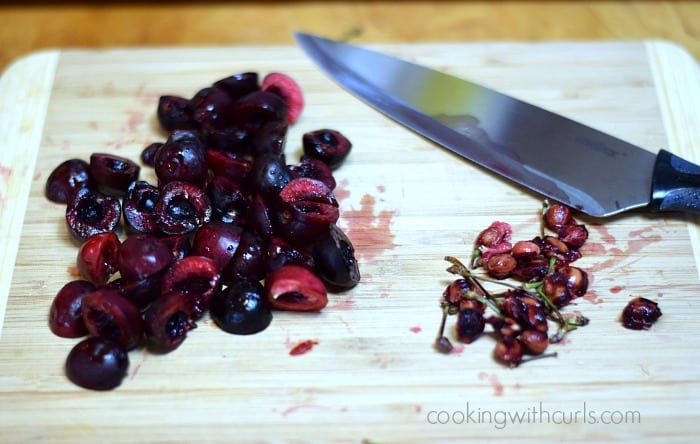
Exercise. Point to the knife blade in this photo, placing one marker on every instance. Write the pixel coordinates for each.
(557, 157)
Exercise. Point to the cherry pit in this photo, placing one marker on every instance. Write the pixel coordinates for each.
(230, 229)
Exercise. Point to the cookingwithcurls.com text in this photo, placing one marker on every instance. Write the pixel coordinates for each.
(536, 414)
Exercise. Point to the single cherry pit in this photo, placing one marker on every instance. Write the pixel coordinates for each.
(227, 213)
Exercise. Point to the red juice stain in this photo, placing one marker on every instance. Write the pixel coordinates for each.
(368, 229)
(416, 329)
(494, 381)
(5, 172)
(617, 288)
(303, 347)
(300, 407)
(134, 120)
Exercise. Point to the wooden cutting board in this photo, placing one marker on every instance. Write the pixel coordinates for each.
(374, 375)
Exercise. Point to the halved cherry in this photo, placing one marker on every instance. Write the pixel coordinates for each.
(97, 257)
(109, 315)
(168, 320)
(295, 288)
(198, 276)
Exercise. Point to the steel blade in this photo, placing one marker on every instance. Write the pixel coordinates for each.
(553, 155)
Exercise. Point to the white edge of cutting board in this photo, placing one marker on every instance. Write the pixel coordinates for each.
(26, 87)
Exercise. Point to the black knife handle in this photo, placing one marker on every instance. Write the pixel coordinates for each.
(675, 184)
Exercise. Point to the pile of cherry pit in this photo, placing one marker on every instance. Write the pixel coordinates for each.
(230, 228)
(547, 281)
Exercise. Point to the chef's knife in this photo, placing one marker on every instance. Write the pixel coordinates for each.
(557, 157)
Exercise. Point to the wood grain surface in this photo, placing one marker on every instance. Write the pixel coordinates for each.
(39, 24)
(373, 376)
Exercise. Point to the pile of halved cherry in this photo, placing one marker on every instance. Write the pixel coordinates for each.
(230, 228)
(519, 314)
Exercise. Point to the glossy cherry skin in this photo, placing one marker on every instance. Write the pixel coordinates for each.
(174, 113)
(65, 315)
(143, 255)
(97, 257)
(113, 173)
(640, 314)
(97, 364)
(295, 288)
(109, 315)
(334, 256)
(248, 262)
(66, 178)
(168, 319)
(269, 175)
(239, 84)
(329, 146)
(181, 158)
(218, 241)
(90, 212)
(258, 108)
(241, 308)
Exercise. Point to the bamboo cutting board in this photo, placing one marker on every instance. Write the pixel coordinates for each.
(373, 376)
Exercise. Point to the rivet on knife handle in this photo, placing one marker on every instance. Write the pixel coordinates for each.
(675, 184)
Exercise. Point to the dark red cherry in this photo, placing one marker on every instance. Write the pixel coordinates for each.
(270, 138)
(65, 315)
(168, 320)
(182, 208)
(239, 85)
(334, 256)
(288, 89)
(470, 324)
(194, 275)
(148, 154)
(269, 175)
(295, 288)
(109, 315)
(327, 145)
(211, 106)
(640, 314)
(174, 113)
(140, 292)
(248, 262)
(139, 206)
(66, 178)
(229, 201)
(241, 308)
(90, 212)
(113, 174)
(258, 108)
(306, 209)
(313, 169)
(218, 241)
(278, 252)
(97, 257)
(260, 216)
(233, 166)
(97, 364)
(143, 255)
(182, 158)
